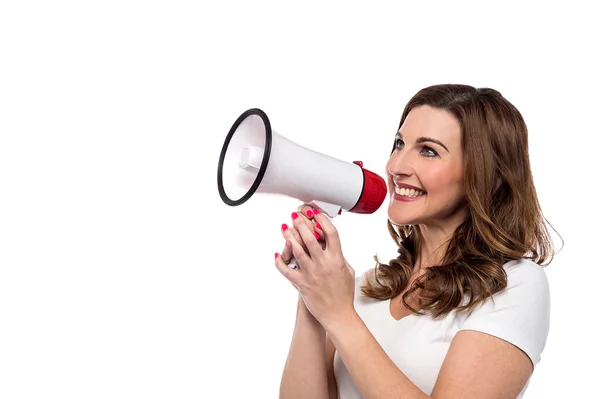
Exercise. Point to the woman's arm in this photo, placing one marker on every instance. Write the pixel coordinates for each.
(478, 365)
(329, 356)
(305, 372)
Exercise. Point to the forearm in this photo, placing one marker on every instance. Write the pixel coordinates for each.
(304, 374)
(373, 372)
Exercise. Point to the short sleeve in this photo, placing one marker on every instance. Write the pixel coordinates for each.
(360, 278)
(520, 314)
(359, 281)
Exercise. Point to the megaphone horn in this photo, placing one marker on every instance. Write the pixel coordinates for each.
(256, 159)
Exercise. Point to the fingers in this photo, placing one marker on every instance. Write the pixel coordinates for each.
(288, 232)
(284, 269)
(307, 213)
(286, 252)
(308, 235)
(299, 253)
(327, 228)
(303, 208)
(305, 233)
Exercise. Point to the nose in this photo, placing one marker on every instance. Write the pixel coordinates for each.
(400, 164)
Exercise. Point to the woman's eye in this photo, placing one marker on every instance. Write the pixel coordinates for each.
(429, 152)
(398, 144)
(426, 151)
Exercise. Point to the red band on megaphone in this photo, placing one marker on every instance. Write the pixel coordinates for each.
(373, 194)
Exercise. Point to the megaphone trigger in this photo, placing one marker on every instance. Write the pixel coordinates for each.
(330, 210)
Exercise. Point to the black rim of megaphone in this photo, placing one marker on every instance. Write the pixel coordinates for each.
(265, 160)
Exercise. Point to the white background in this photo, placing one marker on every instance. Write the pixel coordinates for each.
(123, 274)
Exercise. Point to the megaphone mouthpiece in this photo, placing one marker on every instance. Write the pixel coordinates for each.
(373, 194)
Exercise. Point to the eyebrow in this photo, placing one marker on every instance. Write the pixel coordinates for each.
(425, 139)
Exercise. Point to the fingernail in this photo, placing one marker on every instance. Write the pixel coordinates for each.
(276, 255)
(284, 227)
(318, 226)
(309, 213)
(294, 215)
(317, 236)
(316, 212)
(287, 243)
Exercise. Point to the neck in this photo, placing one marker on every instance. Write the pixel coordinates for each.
(433, 247)
(434, 243)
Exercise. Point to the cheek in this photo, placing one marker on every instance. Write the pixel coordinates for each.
(442, 180)
(434, 180)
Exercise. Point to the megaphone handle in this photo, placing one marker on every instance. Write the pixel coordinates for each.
(330, 210)
(293, 264)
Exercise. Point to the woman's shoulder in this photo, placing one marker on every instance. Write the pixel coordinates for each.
(525, 276)
(520, 313)
(526, 290)
(361, 278)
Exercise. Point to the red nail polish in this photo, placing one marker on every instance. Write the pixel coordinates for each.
(318, 226)
(317, 236)
(284, 227)
(316, 212)
(309, 213)
(276, 255)
(294, 215)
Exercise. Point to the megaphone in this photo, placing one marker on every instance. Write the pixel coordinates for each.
(256, 159)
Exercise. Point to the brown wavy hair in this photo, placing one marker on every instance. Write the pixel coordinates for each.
(504, 220)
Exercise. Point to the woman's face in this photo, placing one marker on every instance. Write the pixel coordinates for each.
(425, 171)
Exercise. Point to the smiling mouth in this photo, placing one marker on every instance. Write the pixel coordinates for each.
(408, 192)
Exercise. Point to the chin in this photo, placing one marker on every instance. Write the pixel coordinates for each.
(397, 217)
(404, 222)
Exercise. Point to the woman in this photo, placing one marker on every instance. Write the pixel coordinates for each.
(463, 311)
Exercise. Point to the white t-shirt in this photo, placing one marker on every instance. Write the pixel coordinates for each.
(520, 314)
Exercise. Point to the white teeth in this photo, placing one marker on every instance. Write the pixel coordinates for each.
(408, 192)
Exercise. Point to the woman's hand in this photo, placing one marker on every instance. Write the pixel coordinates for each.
(324, 279)
(286, 252)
